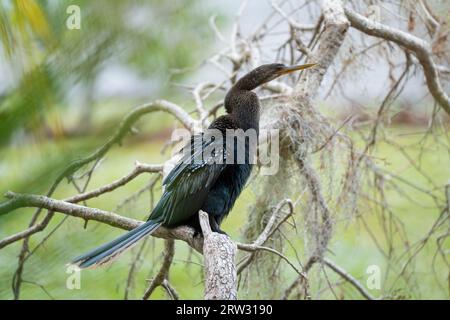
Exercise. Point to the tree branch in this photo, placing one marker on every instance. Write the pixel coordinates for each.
(419, 47)
(16, 202)
(163, 272)
(219, 250)
(335, 30)
(219, 253)
(272, 225)
(347, 276)
(183, 233)
(138, 169)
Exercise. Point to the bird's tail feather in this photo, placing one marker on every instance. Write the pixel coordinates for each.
(105, 253)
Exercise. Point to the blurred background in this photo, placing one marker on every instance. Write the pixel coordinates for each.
(64, 91)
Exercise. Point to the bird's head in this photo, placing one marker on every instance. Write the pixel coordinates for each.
(268, 72)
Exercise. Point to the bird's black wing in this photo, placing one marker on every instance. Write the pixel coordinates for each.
(188, 184)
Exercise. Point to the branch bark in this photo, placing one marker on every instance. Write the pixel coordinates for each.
(219, 253)
(183, 233)
(335, 30)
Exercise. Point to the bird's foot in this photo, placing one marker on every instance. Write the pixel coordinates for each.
(224, 233)
(218, 230)
(215, 227)
(199, 234)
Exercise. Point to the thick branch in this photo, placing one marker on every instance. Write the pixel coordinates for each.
(335, 29)
(15, 202)
(419, 47)
(219, 253)
(183, 233)
(166, 106)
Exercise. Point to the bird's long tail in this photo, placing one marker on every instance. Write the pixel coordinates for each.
(113, 249)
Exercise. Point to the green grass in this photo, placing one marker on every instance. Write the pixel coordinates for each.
(351, 246)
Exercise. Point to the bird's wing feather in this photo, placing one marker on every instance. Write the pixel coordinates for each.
(187, 185)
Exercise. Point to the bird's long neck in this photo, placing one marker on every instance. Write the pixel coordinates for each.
(242, 104)
(243, 107)
(250, 81)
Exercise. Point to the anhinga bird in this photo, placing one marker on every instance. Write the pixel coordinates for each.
(202, 183)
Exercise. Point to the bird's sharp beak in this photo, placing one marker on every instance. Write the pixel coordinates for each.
(296, 68)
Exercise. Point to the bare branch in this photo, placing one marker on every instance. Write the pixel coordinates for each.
(170, 290)
(138, 169)
(432, 22)
(294, 24)
(347, 276)
(133, 268)
(219, 35)
(163, 272)
(15, 202)
(219, 253)
(336, 25)
(419, 47)
(275, 221)
(183, 233)
(220, 249)
(203, 113)
(31, 230)
(254, 248)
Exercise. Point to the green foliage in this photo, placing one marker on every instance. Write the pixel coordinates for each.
(47, 59)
